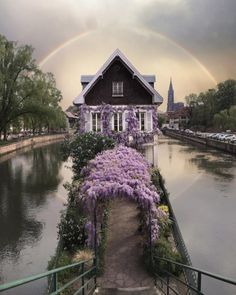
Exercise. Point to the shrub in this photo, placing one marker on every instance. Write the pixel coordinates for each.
(83, 255)
(63, 260)
(162, 249)
(84, 147)
(71, 229)
(103, 244)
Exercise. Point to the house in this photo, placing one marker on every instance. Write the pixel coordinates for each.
(118, 99)
(72, 119)
(179, 119)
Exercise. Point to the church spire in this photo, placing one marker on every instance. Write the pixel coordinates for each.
(170, 103)
(171, 86)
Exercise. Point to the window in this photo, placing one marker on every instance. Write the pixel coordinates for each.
(118, 126)
(96, 122)
(117, 88)
(141, 116)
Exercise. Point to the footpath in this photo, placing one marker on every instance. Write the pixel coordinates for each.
(123, 258)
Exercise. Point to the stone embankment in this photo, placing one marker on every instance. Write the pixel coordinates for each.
(30, 142)
(220, 145)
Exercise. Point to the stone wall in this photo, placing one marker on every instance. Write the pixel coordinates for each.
(29, 142)
(224, 146)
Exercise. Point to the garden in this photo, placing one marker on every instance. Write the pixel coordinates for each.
(103, 171)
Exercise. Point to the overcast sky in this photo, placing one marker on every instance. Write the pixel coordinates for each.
(193, 41)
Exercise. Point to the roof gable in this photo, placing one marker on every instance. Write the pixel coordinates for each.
(157, 98)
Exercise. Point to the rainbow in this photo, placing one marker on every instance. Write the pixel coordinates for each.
(83, 34)
(62, 46)
(185, 50)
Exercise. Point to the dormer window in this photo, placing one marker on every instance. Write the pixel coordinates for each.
(117, 88)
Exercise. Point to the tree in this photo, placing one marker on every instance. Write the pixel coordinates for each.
(226, 119)
(226, 95)
(25, 91)
(211, 108)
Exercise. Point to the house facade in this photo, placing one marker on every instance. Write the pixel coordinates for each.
(118, 99)
(178, 119)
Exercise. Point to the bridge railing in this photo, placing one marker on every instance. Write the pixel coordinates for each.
(86, 277)
(166, 280)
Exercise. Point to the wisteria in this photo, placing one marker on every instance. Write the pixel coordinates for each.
(121, 172)
(131, 135)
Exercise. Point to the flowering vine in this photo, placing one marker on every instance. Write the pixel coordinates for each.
(132, 127)
(121, 172)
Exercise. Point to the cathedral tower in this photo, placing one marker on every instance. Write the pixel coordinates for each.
(170, 103)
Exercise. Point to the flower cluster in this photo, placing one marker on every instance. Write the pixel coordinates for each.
(132, 129)
(121, 172)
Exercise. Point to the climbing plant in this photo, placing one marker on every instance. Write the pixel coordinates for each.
(131, 135)
(121, 172)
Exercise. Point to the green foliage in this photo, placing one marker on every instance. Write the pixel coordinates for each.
(71, 229)
(156, 177)
(64, 276)
(226, 119)
(26, 93)
(210, 108)
(161, 120)
(103, 243)
(84, 147)
(163, 249)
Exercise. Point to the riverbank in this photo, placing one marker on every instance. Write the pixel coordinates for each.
(5, 149)
(201, 182)
(220, 145)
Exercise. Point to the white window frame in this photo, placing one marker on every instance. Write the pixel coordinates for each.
(140, 113)
(96, 122)
(117, 88)
(120, 119)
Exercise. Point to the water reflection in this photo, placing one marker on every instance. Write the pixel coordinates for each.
(31, 197)
(202, 186)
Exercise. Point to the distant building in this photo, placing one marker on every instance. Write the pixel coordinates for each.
(171, 105)
(72, 119)
(179, 119)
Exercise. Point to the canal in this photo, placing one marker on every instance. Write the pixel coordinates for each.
(202, 187)
(31, 198)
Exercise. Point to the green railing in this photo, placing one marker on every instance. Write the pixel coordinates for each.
(190, 289)
(86, 277)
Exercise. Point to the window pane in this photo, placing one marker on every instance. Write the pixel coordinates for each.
(117, 88)
(142, 122)
(116, 122)
(94, 122)
(120, 122)
(98, 122)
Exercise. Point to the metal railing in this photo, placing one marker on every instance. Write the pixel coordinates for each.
(199, 274)
(84, 279)
(189, 275)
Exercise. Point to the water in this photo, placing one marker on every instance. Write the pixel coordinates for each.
(202, 187)
(31, 198)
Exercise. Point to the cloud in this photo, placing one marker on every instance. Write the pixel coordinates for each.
(206, 28)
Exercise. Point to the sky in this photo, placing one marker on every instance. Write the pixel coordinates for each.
(192, 41)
